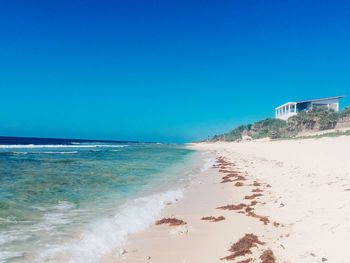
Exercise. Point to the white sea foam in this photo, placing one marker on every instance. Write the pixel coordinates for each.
(208, 159)
(4, 255)
(68, 152)
(13, 146)
(61, 214)
(55, 217)
(8, 238)
(64, 205)
(38, 208)
(4, 239)
(7, 220)
(105, 234)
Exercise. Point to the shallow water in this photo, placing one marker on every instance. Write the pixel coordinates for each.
(74, 202)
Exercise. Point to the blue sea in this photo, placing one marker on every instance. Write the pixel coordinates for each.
(75, 200)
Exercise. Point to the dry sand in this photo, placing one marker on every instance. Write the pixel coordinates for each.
(305, 195)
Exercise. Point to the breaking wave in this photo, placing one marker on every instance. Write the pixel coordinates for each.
(13, 146)
(107, 233)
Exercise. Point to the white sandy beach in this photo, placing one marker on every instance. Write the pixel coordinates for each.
(305, 188)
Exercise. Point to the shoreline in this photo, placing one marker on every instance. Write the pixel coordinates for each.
(293, 218)
(191, 242)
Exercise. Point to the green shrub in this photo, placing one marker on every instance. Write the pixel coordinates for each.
(268, 128)
(236, 134)
(344, 113)
(328, 120)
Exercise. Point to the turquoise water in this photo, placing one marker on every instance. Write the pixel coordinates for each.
(73, 203)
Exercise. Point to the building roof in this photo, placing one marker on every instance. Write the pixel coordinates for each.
(329, 98)
(285, 104)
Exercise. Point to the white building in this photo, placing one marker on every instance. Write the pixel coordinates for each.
(290, 109)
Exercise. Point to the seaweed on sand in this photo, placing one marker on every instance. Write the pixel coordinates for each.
(240, 178)
(268, 257)
(232, 207)
(243, 246)
(263, 219)
(234, 174)
(249, 197)
(225, 171)
(253, 203)
(227, 179)
(255, 183)
(249, 209)
(276, 224)
(223, 162)
(171, 222)
(213, 219)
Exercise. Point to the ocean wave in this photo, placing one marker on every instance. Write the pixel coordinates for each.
(23, 153)
(54, 152)
(55, 216)
(64, 205)
(12, 153)
(105, 234)
(13, 146)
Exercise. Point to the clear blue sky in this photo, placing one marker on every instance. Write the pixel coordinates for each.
(164, 70)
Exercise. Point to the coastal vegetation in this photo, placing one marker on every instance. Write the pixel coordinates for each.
(317, 119)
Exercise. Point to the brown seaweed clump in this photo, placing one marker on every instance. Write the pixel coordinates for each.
(232, 207)
(255, 183)
(245, 261)
(249, 209)
(263, 219)
(253, 203)
(227, 178)
(268, 257)
(257, 190)
(249, 197)
(222, 170)
(243, 246)
(171, 222)
(239, 184)
(222, 161)
(213, 219)
(276, 224)
(240, 178)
